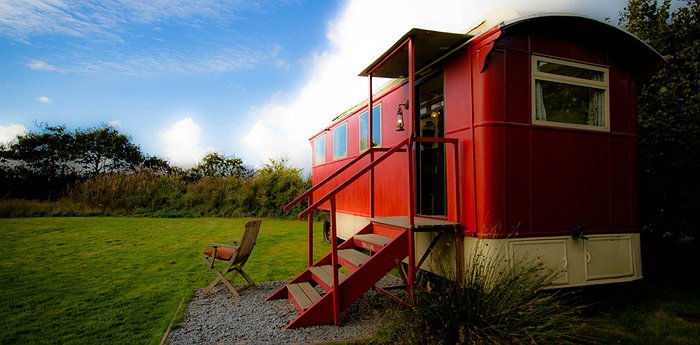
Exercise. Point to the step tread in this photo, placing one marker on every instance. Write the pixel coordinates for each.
(376, 239)
(299, 296)
(355, 258)
(310, 292)
(325, 273)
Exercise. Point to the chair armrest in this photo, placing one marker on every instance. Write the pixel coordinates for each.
(221, 245)
(236, 241)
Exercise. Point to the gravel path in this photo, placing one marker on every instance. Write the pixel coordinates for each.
(218, 318)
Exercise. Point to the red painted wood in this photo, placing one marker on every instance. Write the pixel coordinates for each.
(334, 264)
(356, 284)
(515, 179)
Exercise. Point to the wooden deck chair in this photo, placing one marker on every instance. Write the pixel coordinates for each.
(235, 256)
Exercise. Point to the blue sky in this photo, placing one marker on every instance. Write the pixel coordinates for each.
(254, 79)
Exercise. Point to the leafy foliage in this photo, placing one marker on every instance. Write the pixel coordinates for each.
(105, 150)
(98, 171)
(669, 118)
(497, 302)
(275, 185)
(44, 163)
(150, 193)
(218, 165)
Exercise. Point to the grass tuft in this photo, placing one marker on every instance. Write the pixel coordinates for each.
(495, 303)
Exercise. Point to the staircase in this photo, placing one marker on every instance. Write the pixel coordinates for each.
(369, 256)
(321, 293)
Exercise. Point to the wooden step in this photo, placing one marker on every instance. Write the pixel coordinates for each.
(351, 258)
(303, 295)
(371, 242)
(324, 276)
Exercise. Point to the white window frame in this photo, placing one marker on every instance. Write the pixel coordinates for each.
(603, 85)
(322, 157)
(344, 123)
(359, 128)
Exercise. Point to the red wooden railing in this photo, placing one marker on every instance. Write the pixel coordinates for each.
(330, 196)
(309, 194)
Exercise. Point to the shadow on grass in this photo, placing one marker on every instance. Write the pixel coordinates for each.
(645, 312)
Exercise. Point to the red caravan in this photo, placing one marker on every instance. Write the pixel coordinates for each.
(521, 132)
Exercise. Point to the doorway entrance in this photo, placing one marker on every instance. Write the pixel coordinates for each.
(430, 157)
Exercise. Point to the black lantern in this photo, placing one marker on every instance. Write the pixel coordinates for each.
(399, 116)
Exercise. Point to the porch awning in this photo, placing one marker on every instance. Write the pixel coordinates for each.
(429, 46)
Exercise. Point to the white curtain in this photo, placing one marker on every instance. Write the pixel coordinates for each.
(596, 105)
(540, 111)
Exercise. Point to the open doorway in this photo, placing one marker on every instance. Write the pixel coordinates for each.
(430, 157)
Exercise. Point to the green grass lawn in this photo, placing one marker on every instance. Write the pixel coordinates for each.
(646, 312)
(120, 280)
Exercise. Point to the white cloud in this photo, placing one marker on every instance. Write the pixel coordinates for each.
(362, 31)
(165, 62)
(10, 132)
(170, 62)
(44, 99)
(182, 143)
(102, 25)
(20, 19)
(39, 65)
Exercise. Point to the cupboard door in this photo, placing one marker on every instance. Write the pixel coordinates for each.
(608, 257)
(552, 253)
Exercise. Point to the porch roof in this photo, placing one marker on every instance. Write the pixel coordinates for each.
(429, 45)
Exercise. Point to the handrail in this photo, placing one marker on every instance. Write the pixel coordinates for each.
(325, 180)
(436, 140)
(408, 142)
(354, 177)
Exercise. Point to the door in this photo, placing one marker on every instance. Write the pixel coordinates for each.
(430, 157)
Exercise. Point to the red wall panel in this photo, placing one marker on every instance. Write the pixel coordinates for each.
(518, 181)
(515, 178)
(458, 124)
(570, 181)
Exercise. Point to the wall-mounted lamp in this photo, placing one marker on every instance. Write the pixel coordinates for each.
(399, 116)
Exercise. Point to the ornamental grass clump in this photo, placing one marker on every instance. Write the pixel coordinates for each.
(497, 302)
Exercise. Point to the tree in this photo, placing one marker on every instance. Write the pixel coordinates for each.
(669, 118)
(45, 162)
(276, 184)
(218, 165)
(159, 166)
(41, 163)
(105, 150)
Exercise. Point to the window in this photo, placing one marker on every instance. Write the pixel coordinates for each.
(340, 141)
(320, 149)
(376, 128)
(569, 94)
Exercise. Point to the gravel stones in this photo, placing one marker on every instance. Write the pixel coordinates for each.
(219, 318)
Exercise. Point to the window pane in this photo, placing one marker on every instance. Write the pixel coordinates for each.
(376, 128)
(565, 103)
(377, 125)
(363, 131)
(340, 141)
(569, 71)
(320, 149)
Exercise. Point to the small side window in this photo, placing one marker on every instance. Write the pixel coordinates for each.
(376, 128)
(569, 94)
(340, 141)
(320, 149)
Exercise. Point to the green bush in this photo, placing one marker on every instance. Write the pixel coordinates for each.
(138, 193)
(151, 194)
(495, 303)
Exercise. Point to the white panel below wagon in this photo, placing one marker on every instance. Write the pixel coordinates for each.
(599, 259)
(609, 257)
(552, 253)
